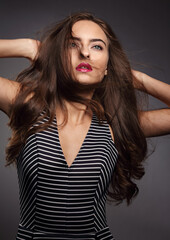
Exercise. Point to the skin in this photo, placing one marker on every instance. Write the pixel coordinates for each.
(153, 123)
(95, 53)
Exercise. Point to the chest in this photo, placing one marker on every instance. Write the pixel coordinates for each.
(71, 140)
(94, 158)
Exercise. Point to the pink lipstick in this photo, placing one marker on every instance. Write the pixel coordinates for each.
(84, 67)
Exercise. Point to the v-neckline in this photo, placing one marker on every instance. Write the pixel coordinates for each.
(80, 149)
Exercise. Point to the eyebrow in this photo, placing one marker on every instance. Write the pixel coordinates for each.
(91, 40)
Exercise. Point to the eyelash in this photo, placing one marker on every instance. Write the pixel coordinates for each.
(71, 44)
(98, 46)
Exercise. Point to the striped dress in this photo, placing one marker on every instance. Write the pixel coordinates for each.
(60, 202)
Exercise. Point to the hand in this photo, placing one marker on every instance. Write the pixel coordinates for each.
(34, 49)
(138, 80)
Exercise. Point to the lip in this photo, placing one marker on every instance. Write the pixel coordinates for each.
(87, 68)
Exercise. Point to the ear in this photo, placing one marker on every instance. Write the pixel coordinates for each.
(105, 72)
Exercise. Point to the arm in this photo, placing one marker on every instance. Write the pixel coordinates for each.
(156, 122)
(27, 48)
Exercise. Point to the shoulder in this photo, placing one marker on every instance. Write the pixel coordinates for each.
(105, 127)
(111, 132)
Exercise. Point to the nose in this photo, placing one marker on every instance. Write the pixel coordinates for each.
(84, 52)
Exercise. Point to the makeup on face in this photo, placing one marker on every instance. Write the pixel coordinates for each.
(89, 52)
(84, 67)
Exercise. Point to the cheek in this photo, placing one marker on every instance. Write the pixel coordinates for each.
(102, 70)
(72, 59)
(102, 65)
(103, 60)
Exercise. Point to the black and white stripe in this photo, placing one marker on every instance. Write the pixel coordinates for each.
(61, 202)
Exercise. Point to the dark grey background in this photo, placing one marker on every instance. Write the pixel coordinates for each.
(143, 29)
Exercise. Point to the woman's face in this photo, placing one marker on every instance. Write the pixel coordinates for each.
(89, 52)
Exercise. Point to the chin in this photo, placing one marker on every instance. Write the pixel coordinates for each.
(86, 80)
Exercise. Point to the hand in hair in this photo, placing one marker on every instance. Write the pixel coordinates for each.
(138, 80)
(154, 122)
(34, 47)
(152, 86)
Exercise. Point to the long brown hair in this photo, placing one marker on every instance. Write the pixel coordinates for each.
(48, 81)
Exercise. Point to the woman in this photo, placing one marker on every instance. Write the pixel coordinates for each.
(76, 128)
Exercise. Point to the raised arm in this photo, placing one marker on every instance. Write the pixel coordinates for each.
(154, 122)
(26, 48)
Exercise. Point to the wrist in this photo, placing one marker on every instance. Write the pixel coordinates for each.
(28, 48)
(138, 80)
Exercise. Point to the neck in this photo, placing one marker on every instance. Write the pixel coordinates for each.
(77, 112)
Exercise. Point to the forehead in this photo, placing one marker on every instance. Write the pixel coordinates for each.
(86, 29)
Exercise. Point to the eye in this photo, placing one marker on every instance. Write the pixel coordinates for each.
(98, 47)
(73, 45)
